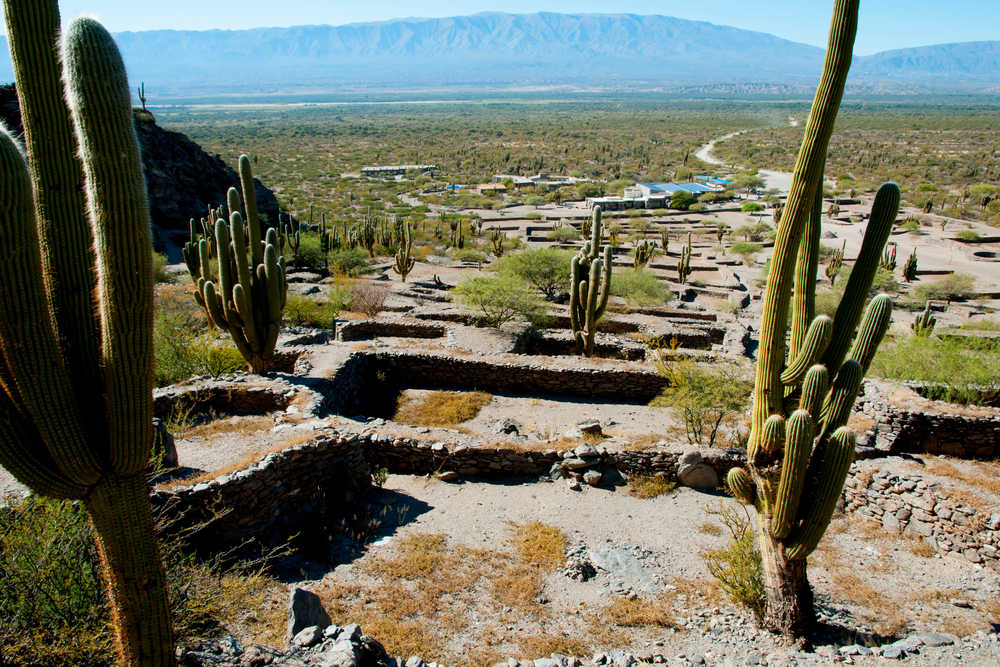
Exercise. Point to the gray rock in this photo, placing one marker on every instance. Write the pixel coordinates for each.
(546, 662)
(303, 277)
(592, 477)
(304, 610)
(586, 451)
(892, 652)
(590, 427)
(575, 463)
(936, 638)
(308, 637)
(573, 484)
(507, 426)
(698, 476)
(351, 632)
(414, 661)
(449, 476)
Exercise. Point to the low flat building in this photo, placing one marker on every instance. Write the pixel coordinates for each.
(396, 170)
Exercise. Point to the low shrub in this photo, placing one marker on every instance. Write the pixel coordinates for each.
(500, 299)
(956, 286)
(368, 297)
(472, 255)
(706, 397)
(564, 234)
(954, 364)
(545, 269)
(349, 261)
(304, 311)
(737, 566)
(441, 408)
(183, 343)
(160, 273)
(639, 287)
(650, 486)
(968, 235)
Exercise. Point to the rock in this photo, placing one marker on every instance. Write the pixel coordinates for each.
(586, 451)
(308, 637)
(546, 662)
(304, 610)
(507, 426)
(164, 447)
(575, 463)
(573, 433)
(414, 661)
(303, 277)
(449, 476)
(698, 476)
(829, 235)
(892, 652)
(592, 477)
(350, 632)
(590, 427)
(573, 484)
(959, 602)
(936, 638)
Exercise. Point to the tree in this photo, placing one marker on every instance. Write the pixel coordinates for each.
(544, 268)
(501, 298)
(682, 200)
(802, 400)
(76, 290)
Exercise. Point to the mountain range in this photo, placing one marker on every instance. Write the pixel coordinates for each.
(503, 51)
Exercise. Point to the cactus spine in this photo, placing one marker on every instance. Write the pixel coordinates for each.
(910, 267)
(249, 299)
(923, 325)
(804, 390)
(643, 253)
(684, 263)
(76, 294)
(589, 288)
(404, 255)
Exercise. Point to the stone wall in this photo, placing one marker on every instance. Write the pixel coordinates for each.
(366, 329)
(899, 430)
(311, 490)
(909, 505)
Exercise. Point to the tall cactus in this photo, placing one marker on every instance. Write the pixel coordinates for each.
(888, 260)
(291, 236)
(589, 287)
(404, 254)
(834, 264)
(249, 299)
(684, 263)
(643, 253)
(76, 308)
(497, 240)
(923, 325)
(910, 267)
(800, 449)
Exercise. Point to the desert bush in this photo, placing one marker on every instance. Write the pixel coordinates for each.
(53, 601)
(705, 396)
(650, 486)
(304, 311)
(183, 343)
(311, 253)
(500, 299)
(884, 281)
(954, 286)
(546, 269)
(564, 233)
(160, 273)
(368, 297)
(954, 364)
(472, 255)
(737, 566)
(349, 261)
(968, 235)
(639, 287)
(751, 207)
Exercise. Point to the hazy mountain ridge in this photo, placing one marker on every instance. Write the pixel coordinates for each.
(498, 49)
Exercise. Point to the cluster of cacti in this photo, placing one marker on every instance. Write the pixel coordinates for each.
(720, 234)
(457, 234)
(888, 259)
(684, 263)
(366, 234)
(834, 264)
(404, 254)
(249, 299)
(613, 236)
(833, 211)
(497, 239)
(291, 236)
(777, 213)
(330, 240)
(585, 228)
(643, 253)
(924, 323)
(928, 206)
(76, 308)
(910, 267)
(664, 241)
(589, 287)
(204, 229)
(800, 449)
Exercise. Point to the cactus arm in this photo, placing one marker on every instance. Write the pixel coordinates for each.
(849, 311)
(810, 350)
(741, 486)
(813, 390)
(773, 435)
(840, 400)
(806, 267)
(250, 202)
(815, 517)
(36, 379)
(807, 176)
(213, 304)
(273, 280)
(798, 447)
(875, 323)
(605, 284)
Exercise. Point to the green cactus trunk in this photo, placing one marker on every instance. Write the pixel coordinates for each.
(76, 290)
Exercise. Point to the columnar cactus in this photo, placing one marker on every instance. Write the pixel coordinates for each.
(249, 299)
(367, 235)
(643, 253)
(834, 264)
(910, 268)
(589, 288)
(888, 260)
(76, 308)
(404, 254)
(664, 241)
(291, 237)
(923, 325)
(684, 263)
(497, 240)
(800, 448)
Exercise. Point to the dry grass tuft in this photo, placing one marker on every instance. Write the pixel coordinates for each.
(242, 464)
(537, 646)
(227, 426)
(420, 555)
(650, 486)
(641, 613)
(441, 408)
(539, 544)
(709, 528)
(921, 547)
(983, 475)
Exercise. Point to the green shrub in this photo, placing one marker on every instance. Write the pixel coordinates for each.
(951, 287)
(184, 345)
(473, 255)
(310, 252)
(751, 207)
(546, 269)
(639, 287)
(532, 216)
(160, 273)
(349, 261)
(305, 311)
(884, 281)
(500, 299)
(910, 225)
(535, 200)
(968, 235)
(737, 567)
(564, 233)
(949, 362)
(705, 396)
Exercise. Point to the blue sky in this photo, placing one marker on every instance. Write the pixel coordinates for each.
(885, 24)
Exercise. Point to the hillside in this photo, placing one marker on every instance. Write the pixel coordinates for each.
(501, 50)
